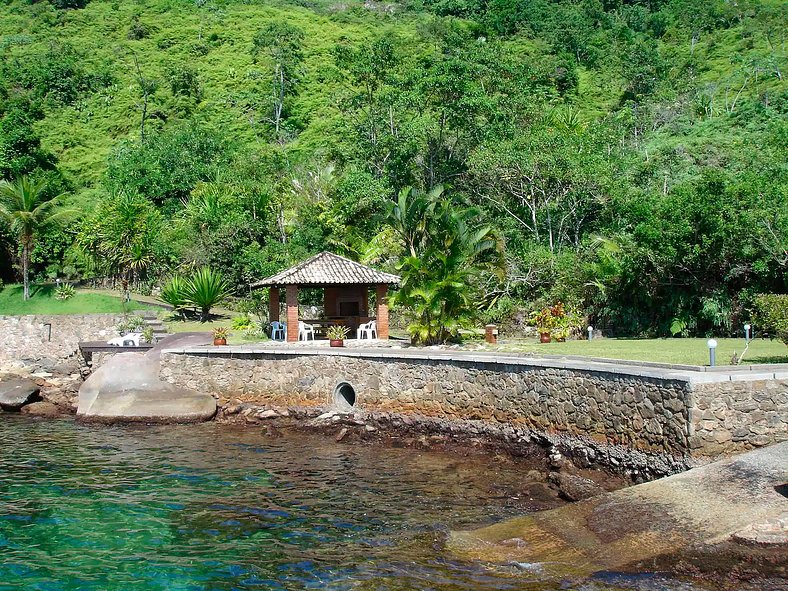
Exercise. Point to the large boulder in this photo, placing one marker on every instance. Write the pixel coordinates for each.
(127, 388)
(17, 392)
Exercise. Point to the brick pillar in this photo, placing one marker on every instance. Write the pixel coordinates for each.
(273, 304)
(382, 292)
(292, 313)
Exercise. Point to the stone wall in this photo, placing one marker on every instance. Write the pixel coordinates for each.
(738, 414)
(647, 409)
(26, 342)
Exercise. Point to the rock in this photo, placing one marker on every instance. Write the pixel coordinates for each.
(268, 414)
(42, 409)
(272, 431)
(771, 532)
(576, 488)
(341, 435)
(16, 392)
(127, 388)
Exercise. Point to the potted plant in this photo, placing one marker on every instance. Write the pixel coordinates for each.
(220, 336)
(337, 335)
(545, 322)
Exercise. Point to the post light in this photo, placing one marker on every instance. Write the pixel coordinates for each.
(590, 330)
(747, 333)
(712, 345)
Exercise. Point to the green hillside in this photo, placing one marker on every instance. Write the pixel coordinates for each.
(630, 155)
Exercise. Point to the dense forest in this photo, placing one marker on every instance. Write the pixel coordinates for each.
(624, 157)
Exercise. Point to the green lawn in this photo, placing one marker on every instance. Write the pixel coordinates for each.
(684, 351)
(42, 301)
(220, 318)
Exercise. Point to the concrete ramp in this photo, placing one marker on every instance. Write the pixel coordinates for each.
(127, 388)
(704, 505)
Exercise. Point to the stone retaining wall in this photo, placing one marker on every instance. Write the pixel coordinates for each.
(647, 409)
(26, 343)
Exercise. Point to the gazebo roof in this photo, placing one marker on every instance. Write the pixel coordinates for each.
(328, 268)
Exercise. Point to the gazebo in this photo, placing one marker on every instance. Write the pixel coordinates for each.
(346, 286)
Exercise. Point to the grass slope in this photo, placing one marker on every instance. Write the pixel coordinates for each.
(42, 301)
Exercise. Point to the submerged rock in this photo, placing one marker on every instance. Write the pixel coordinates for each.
(127, 388)
(576, 488)
(17, 392)
(42, 409)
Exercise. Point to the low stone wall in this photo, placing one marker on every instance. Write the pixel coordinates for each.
(648, 409)
(745, 412)
(26, 339)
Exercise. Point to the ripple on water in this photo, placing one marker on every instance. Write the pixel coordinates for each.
(209, 508)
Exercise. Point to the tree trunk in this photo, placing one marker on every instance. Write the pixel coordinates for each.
(25, 264)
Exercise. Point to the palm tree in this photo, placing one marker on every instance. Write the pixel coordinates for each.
(451, 254)
(26, 207)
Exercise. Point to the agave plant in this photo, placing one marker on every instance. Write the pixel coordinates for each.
(205, 289)
(174, 293)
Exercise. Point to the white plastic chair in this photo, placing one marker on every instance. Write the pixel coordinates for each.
(278, 328)
(127, 340)
(368, 330)
(305, 330)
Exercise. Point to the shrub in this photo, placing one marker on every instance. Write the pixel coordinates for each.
(205, 289)
(771, 315)
(174, 293)
(242, 322)
(65, 292)
(130, 324)
(147, 334)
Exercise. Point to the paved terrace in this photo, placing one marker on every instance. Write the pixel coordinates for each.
(381, 350)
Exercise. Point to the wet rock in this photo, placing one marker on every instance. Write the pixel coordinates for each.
(772, 532)
(42, 409)
(16, 392)
(272, 431)
(576, 488)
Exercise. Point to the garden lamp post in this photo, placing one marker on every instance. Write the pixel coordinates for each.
(747, 333)
(590, 330)
(712, 345)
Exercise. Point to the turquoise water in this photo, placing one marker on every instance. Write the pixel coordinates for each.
(211, 508)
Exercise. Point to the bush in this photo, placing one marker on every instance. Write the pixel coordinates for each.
(771, 315)
(242, 322)
(130, 324)
(205, 289)
(174, 293)
(65, 292)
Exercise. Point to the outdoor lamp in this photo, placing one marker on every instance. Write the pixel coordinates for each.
(712, 345)
(747, 333)
(590, 330)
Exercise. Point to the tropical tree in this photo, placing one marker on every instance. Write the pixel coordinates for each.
(122, 237)
(26, 207)
(446, 261)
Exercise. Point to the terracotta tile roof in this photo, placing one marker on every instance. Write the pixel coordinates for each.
(328, 268)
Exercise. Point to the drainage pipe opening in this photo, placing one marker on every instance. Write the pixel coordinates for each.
(345, 395)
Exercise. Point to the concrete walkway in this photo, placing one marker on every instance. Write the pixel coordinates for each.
(704, 505)
(391, 350)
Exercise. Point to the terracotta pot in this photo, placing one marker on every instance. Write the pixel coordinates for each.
(218, 342)
(544, 337)
(337, 342)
